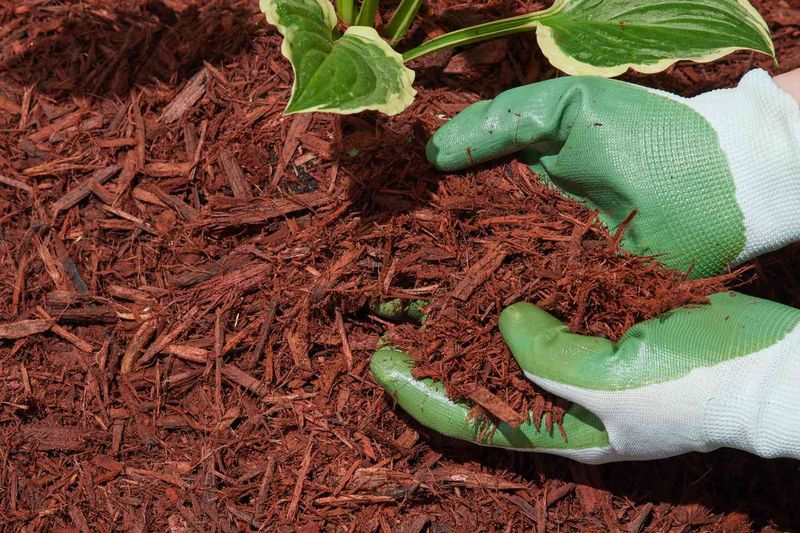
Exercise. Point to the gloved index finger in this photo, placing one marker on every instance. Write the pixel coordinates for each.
(427, 401)
(517, 119)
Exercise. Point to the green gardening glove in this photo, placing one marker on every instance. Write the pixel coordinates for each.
(725, 374)
(715, 179)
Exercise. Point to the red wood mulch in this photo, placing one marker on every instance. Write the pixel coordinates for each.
(186, 275)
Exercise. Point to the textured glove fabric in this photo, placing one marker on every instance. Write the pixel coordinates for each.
(695, 379)
(709, 176)
(758, 127)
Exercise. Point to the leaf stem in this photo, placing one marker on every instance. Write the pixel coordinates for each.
(366, 15)
(483, 32)
(401, 19)
(346, 10)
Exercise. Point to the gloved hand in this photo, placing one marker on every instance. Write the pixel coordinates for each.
(715, 178)
(725, 374)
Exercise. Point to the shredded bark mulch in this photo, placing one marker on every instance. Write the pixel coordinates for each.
(188, 278)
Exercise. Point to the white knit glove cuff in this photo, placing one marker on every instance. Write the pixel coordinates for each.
(754, 404)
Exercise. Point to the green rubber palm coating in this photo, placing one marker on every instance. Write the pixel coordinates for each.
(621, 148)
(658, 350)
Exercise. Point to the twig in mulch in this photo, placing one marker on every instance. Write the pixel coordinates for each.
(348, 353)
(137, 342)
(266, 328)
(301, 478)
(63, 333)
(638, 523)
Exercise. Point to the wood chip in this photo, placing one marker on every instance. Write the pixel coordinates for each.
(78, 342)
(478, 274)
(301, 478)
(496, 406)
(297, 128)
(353, 499)
(164, 340)
(12, 182)
(239, 186)
(194, 89)
(84, 189)
(261, 211)
(44, 134)
(24, 328)
(166, 169)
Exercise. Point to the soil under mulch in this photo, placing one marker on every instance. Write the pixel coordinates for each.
(187, 278)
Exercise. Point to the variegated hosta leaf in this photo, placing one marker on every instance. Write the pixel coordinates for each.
(355, 72)
(607, 37)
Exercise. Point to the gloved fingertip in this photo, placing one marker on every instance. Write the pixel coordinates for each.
(522, 322)
(440, 154)
(463, 141)
(389, 365)
(545, 348)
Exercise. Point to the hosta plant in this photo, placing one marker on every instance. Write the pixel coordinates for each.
(358, 69)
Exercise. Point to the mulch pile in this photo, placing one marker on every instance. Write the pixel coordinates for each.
(187, 280)
(498, 236)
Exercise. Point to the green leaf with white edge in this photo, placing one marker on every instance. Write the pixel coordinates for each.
(607, 37)
(356, 72)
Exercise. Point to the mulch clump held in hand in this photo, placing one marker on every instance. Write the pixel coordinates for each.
(498, 236)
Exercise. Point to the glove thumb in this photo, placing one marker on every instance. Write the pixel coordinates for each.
(552, 356)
